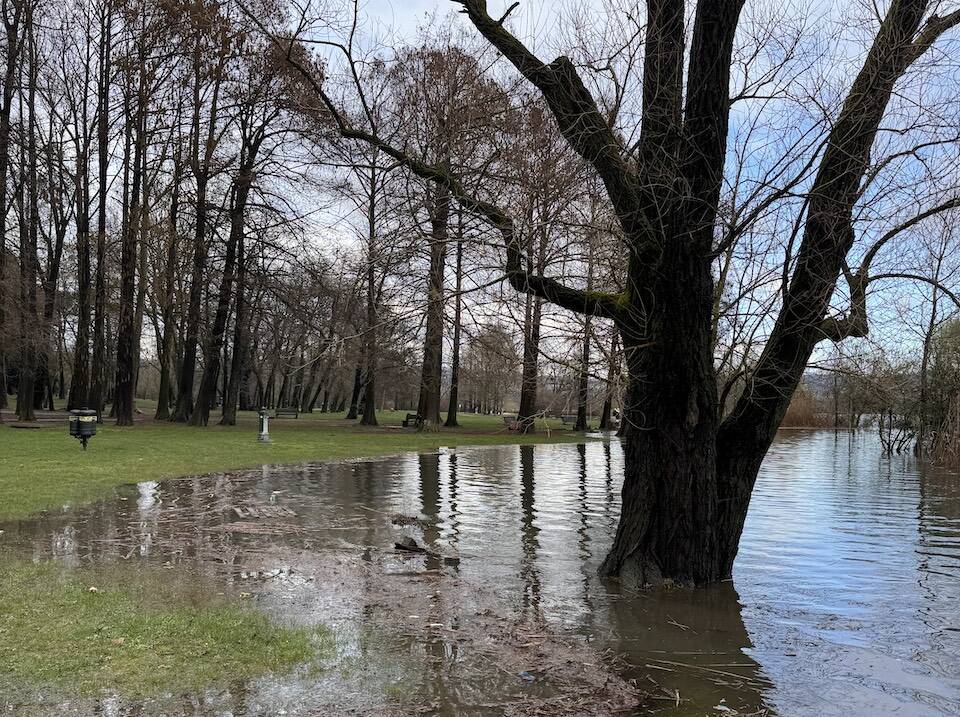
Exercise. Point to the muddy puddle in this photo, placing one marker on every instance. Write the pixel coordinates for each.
(844, 602)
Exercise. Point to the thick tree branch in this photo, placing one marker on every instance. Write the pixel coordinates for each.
(871, 254)
(707, 114)
(854, 323)
(574, 109)
(934, 27)
(828, 233)
(662, 120)
(603, 304)
(918, 277)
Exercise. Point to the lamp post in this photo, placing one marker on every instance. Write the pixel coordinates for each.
(83, 425)
(264, 435)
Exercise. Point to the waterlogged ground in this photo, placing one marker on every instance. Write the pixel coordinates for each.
(845, 598)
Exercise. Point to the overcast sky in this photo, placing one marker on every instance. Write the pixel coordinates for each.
(405, 15)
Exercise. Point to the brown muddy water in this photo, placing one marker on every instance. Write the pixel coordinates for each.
(844, 599)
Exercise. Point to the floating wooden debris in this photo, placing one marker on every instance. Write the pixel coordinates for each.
(255, 512)
(404, 520)
(409, 545)
(282, 573)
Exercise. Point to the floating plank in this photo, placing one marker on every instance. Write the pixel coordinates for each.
(255, 512)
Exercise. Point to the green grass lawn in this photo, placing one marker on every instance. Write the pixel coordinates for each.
(134, 632)
(45, 469)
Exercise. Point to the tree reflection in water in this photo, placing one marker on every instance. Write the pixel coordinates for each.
(848, 576)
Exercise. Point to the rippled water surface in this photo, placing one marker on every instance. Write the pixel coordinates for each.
(844, 600)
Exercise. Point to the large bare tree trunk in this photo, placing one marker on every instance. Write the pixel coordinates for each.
(432, 374)
(98, 363)
(12, 25)
(669, 523)
(29, 211)
(370, 347)
(128, 356)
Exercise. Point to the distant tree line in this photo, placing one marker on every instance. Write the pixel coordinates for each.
(181, 223)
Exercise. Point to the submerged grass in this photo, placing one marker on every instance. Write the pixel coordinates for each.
(44, 469)
(135, 635)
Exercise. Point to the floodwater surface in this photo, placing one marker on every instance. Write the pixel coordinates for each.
(844, 599)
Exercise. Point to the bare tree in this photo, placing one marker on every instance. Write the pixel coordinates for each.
(689, 472)
(13, 28)
(210, 49)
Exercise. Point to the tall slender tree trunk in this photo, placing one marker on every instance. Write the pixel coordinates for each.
(607, 413)
(142, 273)
(200, 164)
(923, 408)
(28, 241)
(208, 383)
(44, 389)
(238, 359)
(453, 405)
(169, 279)
(583, 387)
(529, 372)
(80, 381)
(98, 363)
(320, 387)
(533, 313)
(355, 395)
(370, 349)
(432, 374)
(127, 341)
(583, 380)
(14, 43)
(3, 302)
(184, 405)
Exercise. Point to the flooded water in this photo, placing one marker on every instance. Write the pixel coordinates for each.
(844, 599)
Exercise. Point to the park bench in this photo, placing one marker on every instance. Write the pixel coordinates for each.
(413, 419)
(510, 422)
(568, 419)
(286, 413)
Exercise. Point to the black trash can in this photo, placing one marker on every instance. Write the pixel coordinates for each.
(83, 425)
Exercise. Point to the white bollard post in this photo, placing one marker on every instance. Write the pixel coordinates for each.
(264, 435)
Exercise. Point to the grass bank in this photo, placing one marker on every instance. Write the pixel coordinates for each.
(84, 632)
(45, 469)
